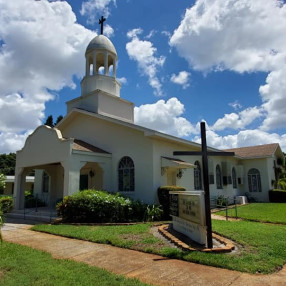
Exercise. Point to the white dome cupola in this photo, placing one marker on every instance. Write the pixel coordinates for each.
(100, 53)
(101, 61)
(100, 90)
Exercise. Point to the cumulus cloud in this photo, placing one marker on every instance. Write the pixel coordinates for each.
(241, 36)
(242, 139)
(238, 120)
(164, 116)
(10, 142)
(94, 9)
(182, 79)
(34, 60)
(144, 53)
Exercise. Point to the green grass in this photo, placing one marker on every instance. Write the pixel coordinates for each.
(264, 212)
(263, 246)
(20, 265)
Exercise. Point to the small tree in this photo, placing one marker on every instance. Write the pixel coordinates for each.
(50, 121)
(59, 119)
(2, 183)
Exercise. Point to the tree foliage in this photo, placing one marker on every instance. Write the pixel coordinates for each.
(50, 121)
(2, 183)
(7, 164)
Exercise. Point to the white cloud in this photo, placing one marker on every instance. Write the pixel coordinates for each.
(182, 79)
(238, 120)
(143, 52)
(134, 33)
(164, 116)
(242, 36)
(108, 31)
(226, 34)
(151, 34)
(235, 105)
(94, 9)
(242, 139)
(35, 60)
(122, 80)
(10, 142)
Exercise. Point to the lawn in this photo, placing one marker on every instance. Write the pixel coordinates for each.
(20, 265)
(263, 246)
(263, 212)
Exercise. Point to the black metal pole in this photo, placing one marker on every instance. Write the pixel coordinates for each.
(206, 186)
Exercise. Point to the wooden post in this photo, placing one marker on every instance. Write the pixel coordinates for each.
(206, 186)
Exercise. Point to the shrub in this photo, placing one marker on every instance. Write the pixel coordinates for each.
(164, 199)
(153, 213)
(1, 223)
(6, 204)
(100, 206)
(282, 184)
(277, 196)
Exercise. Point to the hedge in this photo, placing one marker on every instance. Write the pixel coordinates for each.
(100, 206)
(164, 198)
(277, 196)
(6, 204)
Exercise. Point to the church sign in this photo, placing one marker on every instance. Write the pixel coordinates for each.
(188, 212)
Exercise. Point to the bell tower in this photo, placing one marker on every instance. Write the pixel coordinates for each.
(100, 90)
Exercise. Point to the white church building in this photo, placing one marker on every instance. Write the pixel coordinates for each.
(98, 146)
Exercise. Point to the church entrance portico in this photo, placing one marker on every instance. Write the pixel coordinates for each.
(59, 164)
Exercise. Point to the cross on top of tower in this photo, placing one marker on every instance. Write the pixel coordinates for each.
(101, 20)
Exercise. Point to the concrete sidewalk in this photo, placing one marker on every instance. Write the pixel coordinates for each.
(148, 268)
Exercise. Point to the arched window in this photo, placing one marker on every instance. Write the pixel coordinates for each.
(254, 182)
(198, 176)
(126, 175)
(218, 177)
(234, 180)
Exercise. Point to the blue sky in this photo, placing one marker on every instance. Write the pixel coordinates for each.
(222, 61)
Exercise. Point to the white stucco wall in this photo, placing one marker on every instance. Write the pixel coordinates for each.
(120, 141)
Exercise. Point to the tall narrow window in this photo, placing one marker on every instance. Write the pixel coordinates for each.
(218, 177)
(126, 175)
(254, 181)
(234, 180)
(198, 176)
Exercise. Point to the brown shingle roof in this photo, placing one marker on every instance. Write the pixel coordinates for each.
(255, 151)
(80, 145)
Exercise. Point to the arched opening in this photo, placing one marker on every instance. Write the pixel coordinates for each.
(198, 176)
(126, 175)
(254, 181)
(91, 177)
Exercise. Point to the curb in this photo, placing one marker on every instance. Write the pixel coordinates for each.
(229, 246)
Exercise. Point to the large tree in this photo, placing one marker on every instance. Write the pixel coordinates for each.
(7, 163)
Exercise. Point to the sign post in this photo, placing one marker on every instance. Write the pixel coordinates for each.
(205, 155)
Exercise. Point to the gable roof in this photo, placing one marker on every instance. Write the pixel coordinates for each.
(80, 145)
(258, 151)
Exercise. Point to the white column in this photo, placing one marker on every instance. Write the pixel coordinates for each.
(87, 67)
(114, 66)
(19, 188)
(94, 62)
(105, 63)
(71, 176)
